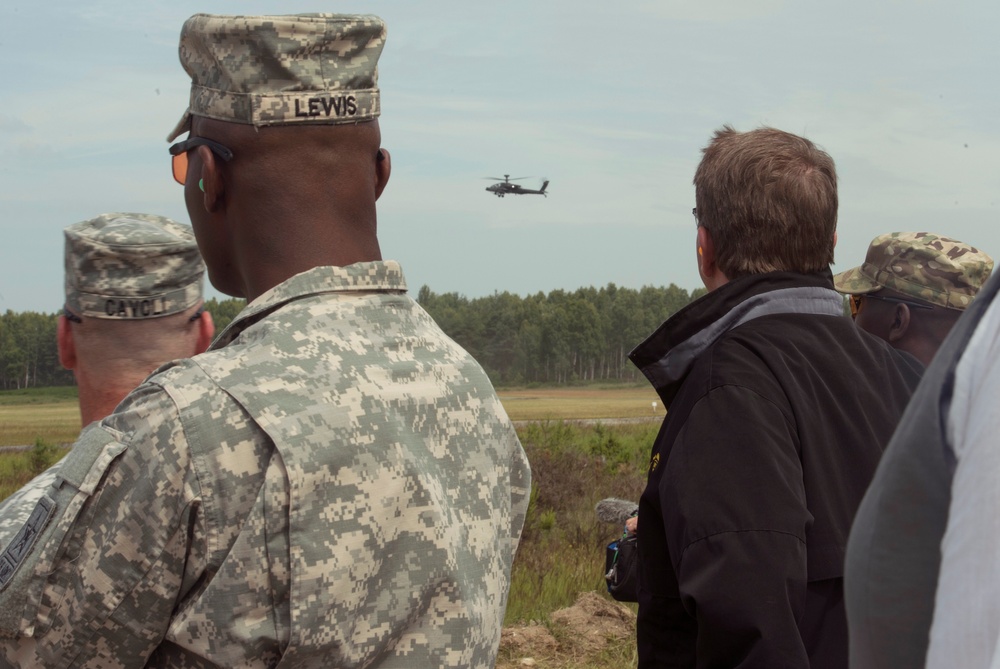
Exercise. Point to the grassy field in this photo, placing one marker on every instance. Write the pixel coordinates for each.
(580, 452)
(581, 403)
(49, 414)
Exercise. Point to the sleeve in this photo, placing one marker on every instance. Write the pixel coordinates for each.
(965, 629)
(15, 510)
(735, 517)
(520, 490)
(96, 577)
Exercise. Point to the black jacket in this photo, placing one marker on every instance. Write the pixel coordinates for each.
(778, 410)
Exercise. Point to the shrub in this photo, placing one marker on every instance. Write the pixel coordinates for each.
(561, 552)
(43, 456)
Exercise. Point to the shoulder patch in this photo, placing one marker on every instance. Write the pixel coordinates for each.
(20, 545)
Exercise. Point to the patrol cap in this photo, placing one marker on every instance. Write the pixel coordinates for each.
(131, 266)
(279, 70)
(925, 266)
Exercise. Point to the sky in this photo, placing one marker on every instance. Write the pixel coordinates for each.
(611, 102)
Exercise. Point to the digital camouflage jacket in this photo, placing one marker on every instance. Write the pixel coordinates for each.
(334, 483)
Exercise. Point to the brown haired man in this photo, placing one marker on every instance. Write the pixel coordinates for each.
(778, 411)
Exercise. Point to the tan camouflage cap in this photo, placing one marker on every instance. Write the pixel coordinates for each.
(277, 70)
(925, 266)
(131, 266)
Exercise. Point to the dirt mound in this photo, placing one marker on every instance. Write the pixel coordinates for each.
(527, 641)
(583, 629)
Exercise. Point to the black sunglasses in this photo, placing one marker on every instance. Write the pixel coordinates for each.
(180, 149)
(70, 316)
(856, 302)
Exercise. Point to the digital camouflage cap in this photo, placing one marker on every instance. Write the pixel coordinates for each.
(131, 266)
(921, 265)
(278, 70)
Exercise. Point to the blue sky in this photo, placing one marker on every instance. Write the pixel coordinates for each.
(612, 103)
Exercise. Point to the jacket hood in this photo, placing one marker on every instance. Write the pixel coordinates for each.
(666, 356)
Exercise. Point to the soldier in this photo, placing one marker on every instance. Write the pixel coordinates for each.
(913, 287)
(133, 302)
(335, 482)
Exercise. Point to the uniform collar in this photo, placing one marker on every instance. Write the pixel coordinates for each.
(380, 275)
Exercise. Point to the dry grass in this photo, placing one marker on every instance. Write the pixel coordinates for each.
(581, 403)
(55, 422)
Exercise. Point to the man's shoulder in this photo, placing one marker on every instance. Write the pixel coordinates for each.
(772, 352)
(178, 389)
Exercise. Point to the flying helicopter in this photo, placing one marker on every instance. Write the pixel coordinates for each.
(505, 187)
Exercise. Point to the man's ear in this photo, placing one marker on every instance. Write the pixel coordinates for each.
(383, 167)
(706, 263)
(65, 344)
(206, 332)
(900, 323)
(210, 181)
(708, 266)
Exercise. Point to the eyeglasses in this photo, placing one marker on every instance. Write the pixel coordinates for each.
(694, 212)
(180, 159)
(856, 302)
(70, 316)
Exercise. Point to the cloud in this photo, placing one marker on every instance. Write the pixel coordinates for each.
(716, 11)
(13, 125)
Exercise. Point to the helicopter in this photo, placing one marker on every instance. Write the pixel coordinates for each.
(505, 187)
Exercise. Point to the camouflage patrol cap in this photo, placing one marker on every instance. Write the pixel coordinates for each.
(928, 267)
(131, 266)
(278, 70)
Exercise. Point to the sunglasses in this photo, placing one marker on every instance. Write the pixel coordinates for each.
(856, 302)
(180, 150)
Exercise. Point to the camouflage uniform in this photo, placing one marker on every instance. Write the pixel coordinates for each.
(282, 70)
(119, 266)
(334, 483)
(930, 268)
(16, 508)
(126, 266)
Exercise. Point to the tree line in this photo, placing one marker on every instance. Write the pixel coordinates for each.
(29, 356)
(559, 338)
(555, 338)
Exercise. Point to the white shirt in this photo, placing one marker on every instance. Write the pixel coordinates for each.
(966, 627)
